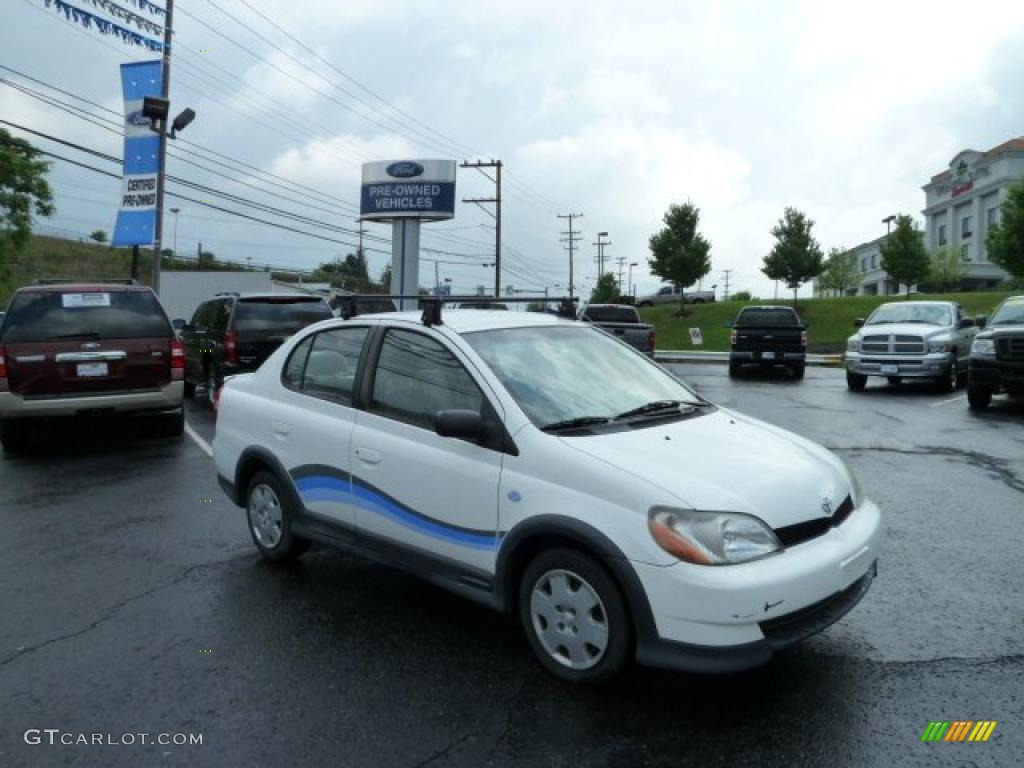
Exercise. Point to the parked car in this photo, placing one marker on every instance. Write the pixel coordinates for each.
(997, 354)
(538, 466)
(234, 333)
(768, 336)
(623, 322)
(673, 294)
(911, 340)
(87, 349)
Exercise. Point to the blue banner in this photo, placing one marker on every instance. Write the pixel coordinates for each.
(136, 217)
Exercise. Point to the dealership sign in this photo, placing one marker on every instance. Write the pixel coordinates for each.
(408, 189)
(136, 215)
(962, 177)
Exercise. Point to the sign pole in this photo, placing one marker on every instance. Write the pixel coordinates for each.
(158, 240)
(405, 261)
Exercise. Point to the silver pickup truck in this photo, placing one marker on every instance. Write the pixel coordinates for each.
(623, 322)
(911, 340)
(672, 294)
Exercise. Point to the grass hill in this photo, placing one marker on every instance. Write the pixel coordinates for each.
(829, 321)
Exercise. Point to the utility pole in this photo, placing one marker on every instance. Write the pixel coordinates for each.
(600, 252)
(162, 160)
(572, 238)
(726, 274)
(199, 256)
(496, 200)
(621, 261)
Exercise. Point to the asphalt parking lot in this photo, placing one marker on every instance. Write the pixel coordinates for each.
(134, 602)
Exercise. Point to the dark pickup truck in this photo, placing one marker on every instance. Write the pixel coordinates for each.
(768, 336)
(623, 322)
(997, 354)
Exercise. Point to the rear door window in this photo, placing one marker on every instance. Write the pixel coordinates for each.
(330, 370)
(780, 316)
(36, 316)
(611, 315)
(260, 315)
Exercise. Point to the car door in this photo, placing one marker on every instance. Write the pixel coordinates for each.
(434, 495)
(312, 422)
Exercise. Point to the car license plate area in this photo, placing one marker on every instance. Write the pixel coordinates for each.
(92, 370)
(890, 369)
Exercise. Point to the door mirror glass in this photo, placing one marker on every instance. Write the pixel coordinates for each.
(463, 424)
(858, 323)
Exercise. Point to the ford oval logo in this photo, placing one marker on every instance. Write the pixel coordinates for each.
(404, 170)
(137, 118)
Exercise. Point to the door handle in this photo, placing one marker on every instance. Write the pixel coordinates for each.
(367, 456)
(281, 428)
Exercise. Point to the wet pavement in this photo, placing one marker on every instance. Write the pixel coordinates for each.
(133, 602)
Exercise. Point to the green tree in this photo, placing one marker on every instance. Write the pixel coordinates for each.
(606, 291)
(904, 257)
(24, 191)
(99, 236)
(385, 279)
(679, 253)
(1005, 241)
(948, 269)
(839, 272)
(796, 256)
(741, 296)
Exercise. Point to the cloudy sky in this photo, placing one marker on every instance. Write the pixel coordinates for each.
(611, 109)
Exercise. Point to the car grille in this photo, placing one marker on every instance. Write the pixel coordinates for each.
(791, 535)
(1011, 348)
(893, 344)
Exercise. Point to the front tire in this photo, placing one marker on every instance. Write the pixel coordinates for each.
(734, 370)
(951, 377)
(173, 424)
(270, 516)
(13, 435)
(979, 398)
(856, 381)
(575, 617)
(798, 372)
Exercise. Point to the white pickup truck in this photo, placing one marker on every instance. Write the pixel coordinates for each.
(911, 340)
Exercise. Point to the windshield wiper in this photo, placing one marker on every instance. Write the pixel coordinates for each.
(86, 335)
(657, 407)
(579, 421)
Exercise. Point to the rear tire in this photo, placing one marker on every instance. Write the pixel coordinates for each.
(798, 372)
(894, 380)
(212, 388)
(13, 435)
(173, 424)
(190, 389)
(269, 514)
(856, 381)
(575, 617)
(978, 398)
(734, 370)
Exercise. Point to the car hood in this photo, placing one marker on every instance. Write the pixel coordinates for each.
(903, 329)
(999, 330)
(723, 461)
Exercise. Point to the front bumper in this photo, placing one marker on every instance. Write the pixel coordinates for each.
(169, 397)
(929, 366)
(996, 375)
(730, 618)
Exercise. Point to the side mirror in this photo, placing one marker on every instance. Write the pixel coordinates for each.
(179, 324)
(465, 425)
(858, 323)
(981, 321)
(966, 322)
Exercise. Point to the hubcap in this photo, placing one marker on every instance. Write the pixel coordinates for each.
(569, 619)
(265, 517)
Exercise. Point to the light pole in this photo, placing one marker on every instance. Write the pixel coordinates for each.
(631, 265)
(600, 252)
(888, 220)
(175, 212)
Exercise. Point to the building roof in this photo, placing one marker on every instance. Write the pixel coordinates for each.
(1006, 146)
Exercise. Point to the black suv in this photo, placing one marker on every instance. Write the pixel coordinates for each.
(997, 354)
(234, 333)
(768, 336)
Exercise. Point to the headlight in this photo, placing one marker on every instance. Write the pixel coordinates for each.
(983, 347)
(856, 492)
(711, 538)
(940, 346)
(853, 345)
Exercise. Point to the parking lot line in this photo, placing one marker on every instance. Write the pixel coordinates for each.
(198, 440)
(959, 399)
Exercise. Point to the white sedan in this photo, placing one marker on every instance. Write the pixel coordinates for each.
(541, 467)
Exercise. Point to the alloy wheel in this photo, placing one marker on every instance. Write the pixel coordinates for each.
(265, 516)
(569, 619)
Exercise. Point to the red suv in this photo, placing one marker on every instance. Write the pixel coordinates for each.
(93, 349)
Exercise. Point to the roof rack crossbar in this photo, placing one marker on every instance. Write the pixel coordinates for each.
(70, 281)
(431, 305)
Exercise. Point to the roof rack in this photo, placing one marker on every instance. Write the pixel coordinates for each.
(431, 305)
(69, 281)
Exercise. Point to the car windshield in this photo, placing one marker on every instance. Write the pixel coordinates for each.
(929, 314)
(36, 316)
(279, 314)
(1010, 312)
(600, 314)
(557, 374)
(768, 316)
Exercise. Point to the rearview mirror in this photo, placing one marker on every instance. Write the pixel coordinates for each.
(858, 323)
(463, 424)
(981, 321)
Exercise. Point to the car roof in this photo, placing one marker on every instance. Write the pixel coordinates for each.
(266, 295)
(617, 306)
(767, 306)
(922, 303)
(83, 288)
(470, 320)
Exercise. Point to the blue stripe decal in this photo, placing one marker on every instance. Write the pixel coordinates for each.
(313, 488)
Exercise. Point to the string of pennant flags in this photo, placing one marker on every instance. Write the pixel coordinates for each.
(106, 27)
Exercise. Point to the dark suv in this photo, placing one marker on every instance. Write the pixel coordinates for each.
(234, 333)
(89, 349)
(768, 336)
(997, 354)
